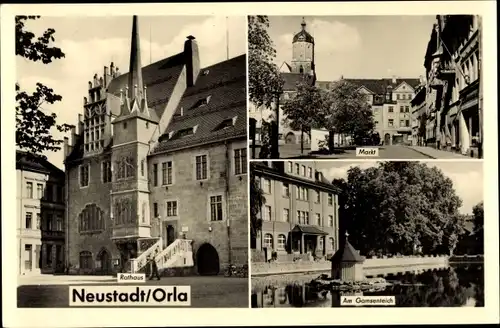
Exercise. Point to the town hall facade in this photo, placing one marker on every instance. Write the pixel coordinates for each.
(157, 166)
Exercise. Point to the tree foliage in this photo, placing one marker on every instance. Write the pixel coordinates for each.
(264, 80)
(400, 207)
(257, 200)
(304, 109)
(347, 111)
(33, 126)
(478, 220)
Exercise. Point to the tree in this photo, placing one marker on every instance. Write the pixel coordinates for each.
(347, 112)
(257, 200)
(398, 207)
(33, 126)
(478, 220)
(304, 109)
(264, 80)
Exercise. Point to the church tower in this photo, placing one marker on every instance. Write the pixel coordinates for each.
(303, 52)
(132, 132)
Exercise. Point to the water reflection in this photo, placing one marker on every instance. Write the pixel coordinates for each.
(461, 285)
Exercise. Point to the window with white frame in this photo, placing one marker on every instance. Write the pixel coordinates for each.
(29, 219)
(330, 243)
(281, 245)
(172, 208)
(166, 173)
(303, 170)
(240, 161)
(38, 221)
(310, 172)
(39, 191)
(297, 168)
(268, 241)
(84, 175)
(267, 186)
(318, 219)
(216, 208)
(286, 215)
(267, 213)
(29, 189)
(290, 167)
(201, 167)
(306, 218)
(94, 124)
(318, 197)
(330, 199)
(106, 171)
(321, 244)
(286, 190)
(330, 220)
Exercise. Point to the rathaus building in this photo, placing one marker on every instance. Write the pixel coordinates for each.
(157, 166)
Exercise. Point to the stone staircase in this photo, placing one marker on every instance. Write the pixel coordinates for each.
(179, 254)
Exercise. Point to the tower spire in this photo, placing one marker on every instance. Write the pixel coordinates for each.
(135, 68)
(303, 24)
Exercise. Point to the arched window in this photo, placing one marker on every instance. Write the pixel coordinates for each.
(85, 260)
(268, 240)
(91, 219)
(281, 242)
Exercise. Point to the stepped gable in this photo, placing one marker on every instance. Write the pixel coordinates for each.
(217, 97)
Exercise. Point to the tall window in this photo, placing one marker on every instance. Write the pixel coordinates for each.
(106, 171)
(330, 243)
(172, 208)
(91, 219)
(391, 122)
(330, 220)
(240, 161)
(268, 241)
(216, 208)
(84, 177)
(286, 190)
(29, 219)
(318, 197)
(155, 175)
(85, 260)
(310, 172)
(166, 168)
(391, 109)
(201, 167)
(267, 213)
(143, 214)
(59, 223)
(267, 186)
(38, 221)
(290, 167)
(330, 199)
(155, 210)
(142, 167)
(297, 168)
(306, 217)
(49, 224)
(407, 109)
(303, 170)
(302, 193)
(318, 219)
(29, 189)
(94, 124)
(39, 191)
(281, 242)
(286, 215)
(125, 168)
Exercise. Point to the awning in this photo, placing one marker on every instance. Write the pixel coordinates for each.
(311, 230)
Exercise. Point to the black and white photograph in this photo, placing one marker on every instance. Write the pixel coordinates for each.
(387, 87)
(324, 230)
(131, 137)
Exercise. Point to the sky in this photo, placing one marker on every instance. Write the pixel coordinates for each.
(358, 46)
(467, 177)
(90, 43)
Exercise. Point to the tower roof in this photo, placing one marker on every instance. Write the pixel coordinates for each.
(303, 35)
(135, 85)
(347, 254)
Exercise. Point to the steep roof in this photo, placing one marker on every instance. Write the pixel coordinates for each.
(29, 162)
(347, 254)
(219, 95)
(292, 79)
(160, 79)
(379, 86)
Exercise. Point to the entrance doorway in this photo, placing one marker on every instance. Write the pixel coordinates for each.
(169, 232)
(207, 260)
(105, 260)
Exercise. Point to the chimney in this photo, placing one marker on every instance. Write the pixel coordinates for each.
(66, 147)
(73, 135)
(112, 69)
(394, 79)
(106, 79)
(192, 57)
(80, 124)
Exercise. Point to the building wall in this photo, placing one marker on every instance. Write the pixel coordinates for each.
(36, 234)
(278, 225)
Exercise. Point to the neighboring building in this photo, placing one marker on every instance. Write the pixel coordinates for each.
(300, 216)
(390, 102)
(453, 118)
(301, 69)
(418, 110)
(159, 164)
(40, 222)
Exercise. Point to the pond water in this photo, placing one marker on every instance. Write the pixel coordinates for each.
(454, 286)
